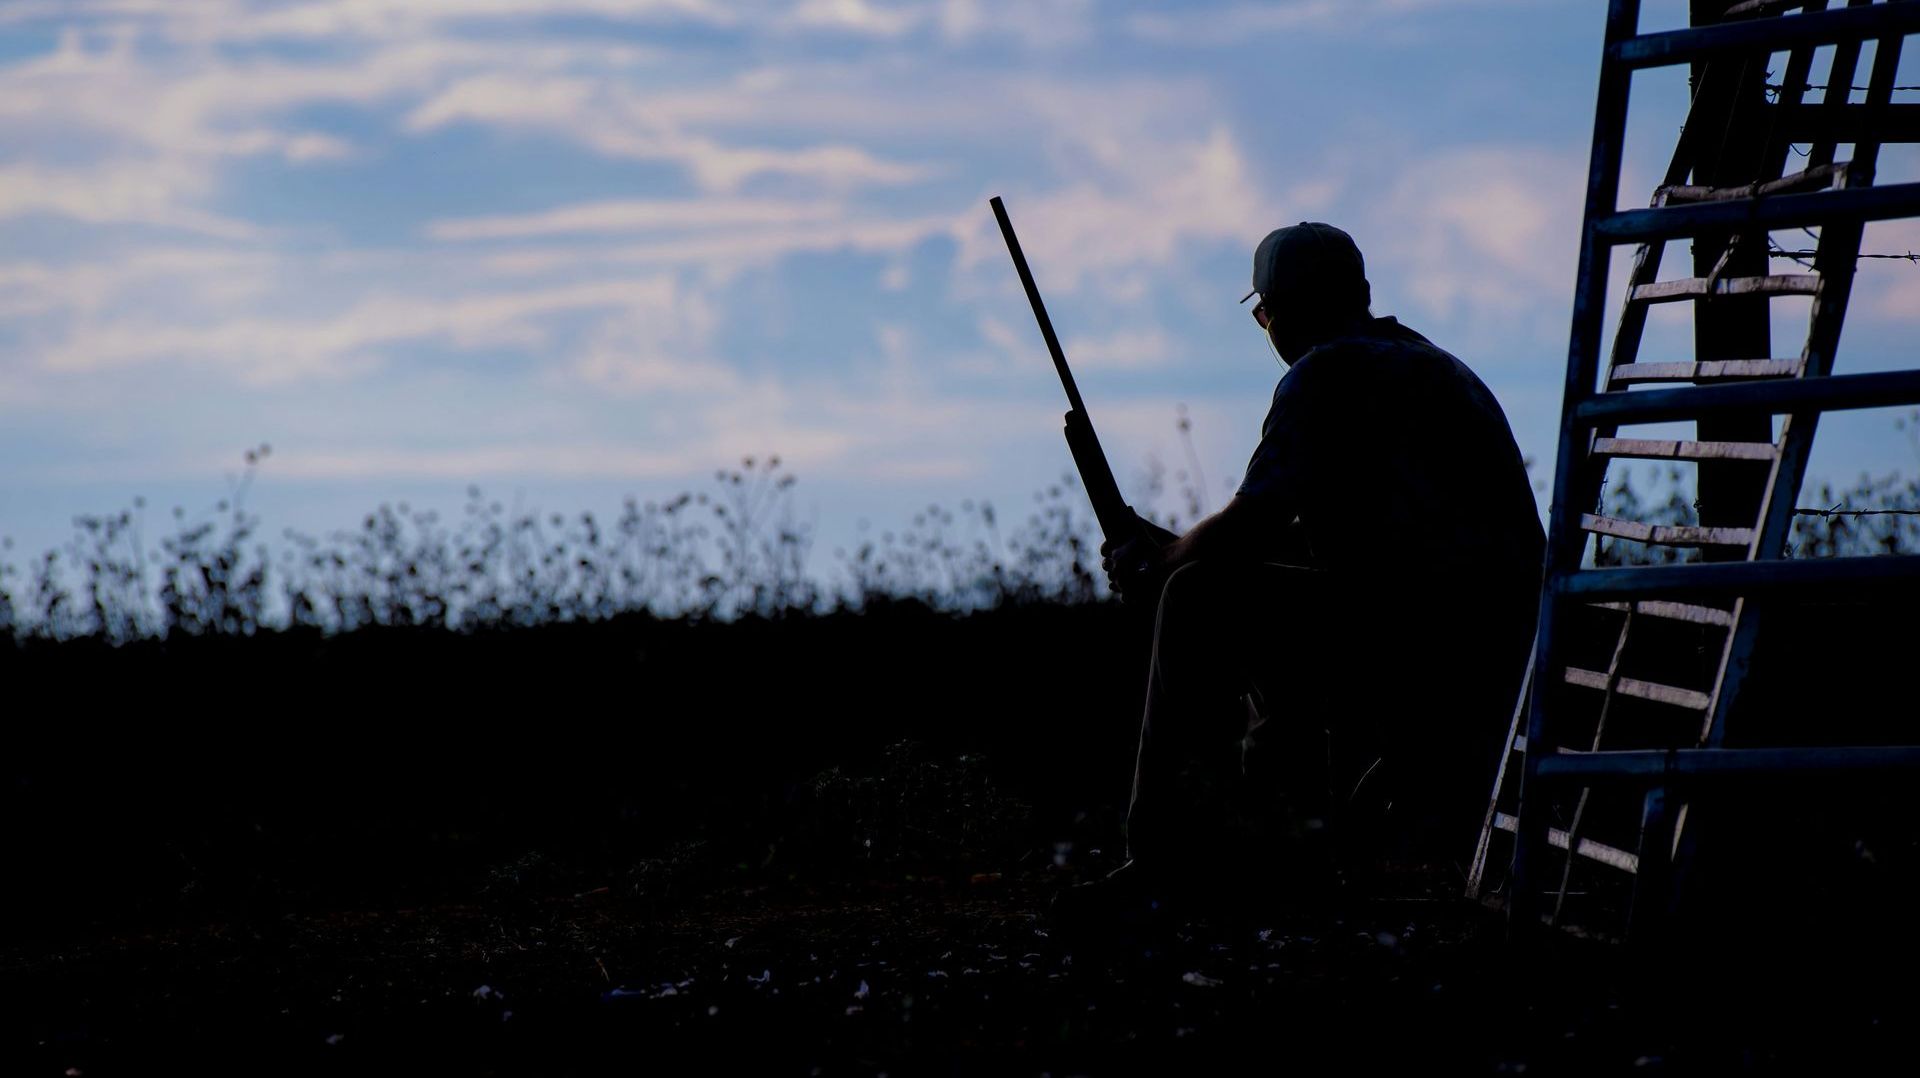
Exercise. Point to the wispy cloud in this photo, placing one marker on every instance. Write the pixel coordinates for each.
(269, 349)
(638, 215)
(1891, 288)
(156, 193)
(1487, 232)
(858, 16)
(722, 252)
(1139, 348)
(1237, 24)
(237, 21)
(620, 123)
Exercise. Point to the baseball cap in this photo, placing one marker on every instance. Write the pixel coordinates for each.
(1309, 251)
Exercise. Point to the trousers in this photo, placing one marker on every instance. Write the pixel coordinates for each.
(1408, 686)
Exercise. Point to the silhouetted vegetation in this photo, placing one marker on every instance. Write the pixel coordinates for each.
(732, 551)
(736, 549)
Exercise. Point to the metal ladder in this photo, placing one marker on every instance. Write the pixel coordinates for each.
(1645, 710)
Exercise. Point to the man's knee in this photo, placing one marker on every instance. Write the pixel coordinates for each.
(1214, 583)
(1185, 583)
(1201, 599)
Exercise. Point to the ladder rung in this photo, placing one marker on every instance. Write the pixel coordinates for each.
(1598, 851)
(1519, 742)
(1660, 608)
(1760, 36)
(1713, 370)
(1882, 575)
(1665, 534)
(1636, 766)
(1883, 389)
(1663, 449)
(1813, 179)
(1641, 690)
(1841, 206)
(1773, 284)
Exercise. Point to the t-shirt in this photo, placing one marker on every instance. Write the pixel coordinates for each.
(1399, 463)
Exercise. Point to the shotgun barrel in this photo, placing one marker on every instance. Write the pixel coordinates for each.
(1117, 520)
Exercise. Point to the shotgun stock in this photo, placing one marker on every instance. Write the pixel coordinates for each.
(1117, 520)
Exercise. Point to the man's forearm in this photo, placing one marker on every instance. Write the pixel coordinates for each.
(1239, 532)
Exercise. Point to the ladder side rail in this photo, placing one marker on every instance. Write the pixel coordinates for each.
(1729, 493)
(1476, 872)
(1646, 260)
(1835, 261)
(1565, 540)
(1793, 91)
(1846, 63)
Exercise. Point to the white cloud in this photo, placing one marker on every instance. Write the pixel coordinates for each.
(1123, 350)
(720, 253)
(817, 429)
(658, 348)
(188, 278)
(566, 460)
(239, 21)
(621, 123)
(637, 215)
(1891, 288)
(399, 18)
(1177, 192)
(857, 16)
(1487, 232)
(270, 349)
(25, 289)
(1035, 24)
(1239, 23)
(153, 193)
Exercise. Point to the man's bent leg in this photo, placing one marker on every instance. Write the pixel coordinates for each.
(1214, 626)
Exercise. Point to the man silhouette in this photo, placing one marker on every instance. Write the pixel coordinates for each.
(1375, 575)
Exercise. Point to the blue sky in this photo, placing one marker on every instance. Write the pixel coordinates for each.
(574, 249)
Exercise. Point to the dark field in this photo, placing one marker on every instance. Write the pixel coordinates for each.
(815, 843)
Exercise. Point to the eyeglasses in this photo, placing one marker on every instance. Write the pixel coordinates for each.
(1259, 309)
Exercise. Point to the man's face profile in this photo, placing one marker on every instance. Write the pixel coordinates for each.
(1282, 326)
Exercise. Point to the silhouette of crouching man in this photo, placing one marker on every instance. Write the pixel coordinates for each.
(1376, 576)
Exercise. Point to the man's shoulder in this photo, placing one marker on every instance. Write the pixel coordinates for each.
(1382, 349)
(1379, 337)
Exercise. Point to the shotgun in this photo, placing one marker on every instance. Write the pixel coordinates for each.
(1117, 520)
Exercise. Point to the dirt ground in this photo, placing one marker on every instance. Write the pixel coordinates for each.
(540, 876)
(907, 976)
(877, 976)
